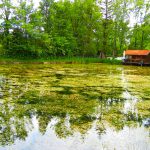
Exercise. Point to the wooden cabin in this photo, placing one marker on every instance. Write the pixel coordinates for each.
(137, 57)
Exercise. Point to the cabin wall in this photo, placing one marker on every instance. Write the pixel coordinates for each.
(137, 59)
(134, 58)
(147, 59)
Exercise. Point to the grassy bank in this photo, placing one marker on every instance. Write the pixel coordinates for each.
(82, 60)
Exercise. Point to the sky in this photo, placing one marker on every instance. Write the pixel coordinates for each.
(36, 2)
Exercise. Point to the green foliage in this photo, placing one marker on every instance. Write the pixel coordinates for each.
(57, 60)
(140, 37)
(84, 28)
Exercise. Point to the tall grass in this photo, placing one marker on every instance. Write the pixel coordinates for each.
(71, 60)
(84, 60)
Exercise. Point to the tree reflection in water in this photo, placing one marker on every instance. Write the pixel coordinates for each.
(68, 99)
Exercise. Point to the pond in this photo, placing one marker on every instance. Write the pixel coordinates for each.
(74, 107)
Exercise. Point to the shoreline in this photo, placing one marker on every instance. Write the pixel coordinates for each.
(73, 60)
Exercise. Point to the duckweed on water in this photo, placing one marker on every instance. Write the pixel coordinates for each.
(77, 97)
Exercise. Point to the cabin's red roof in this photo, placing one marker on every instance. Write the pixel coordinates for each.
(137, 52)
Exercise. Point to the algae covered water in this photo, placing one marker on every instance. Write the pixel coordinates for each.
(74, 107)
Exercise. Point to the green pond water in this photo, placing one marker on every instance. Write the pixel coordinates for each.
(74, 107)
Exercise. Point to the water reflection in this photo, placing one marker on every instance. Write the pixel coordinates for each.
(43, 105)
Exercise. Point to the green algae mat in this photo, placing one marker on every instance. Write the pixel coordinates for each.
(74, 107)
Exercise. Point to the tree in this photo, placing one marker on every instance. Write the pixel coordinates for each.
(84, 28)
(139, 36)
(46, 9)
(106, 24)
(6, 9)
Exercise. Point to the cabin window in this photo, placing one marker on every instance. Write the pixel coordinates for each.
(128, 57)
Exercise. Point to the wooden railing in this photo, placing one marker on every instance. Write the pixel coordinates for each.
(134, 60)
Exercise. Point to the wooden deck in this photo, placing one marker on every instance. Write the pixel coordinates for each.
(138, 63)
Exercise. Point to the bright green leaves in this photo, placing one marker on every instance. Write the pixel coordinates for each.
(73, 28)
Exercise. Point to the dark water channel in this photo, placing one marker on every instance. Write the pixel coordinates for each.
(74, 107)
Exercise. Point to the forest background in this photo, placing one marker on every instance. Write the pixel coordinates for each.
(78, 28)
